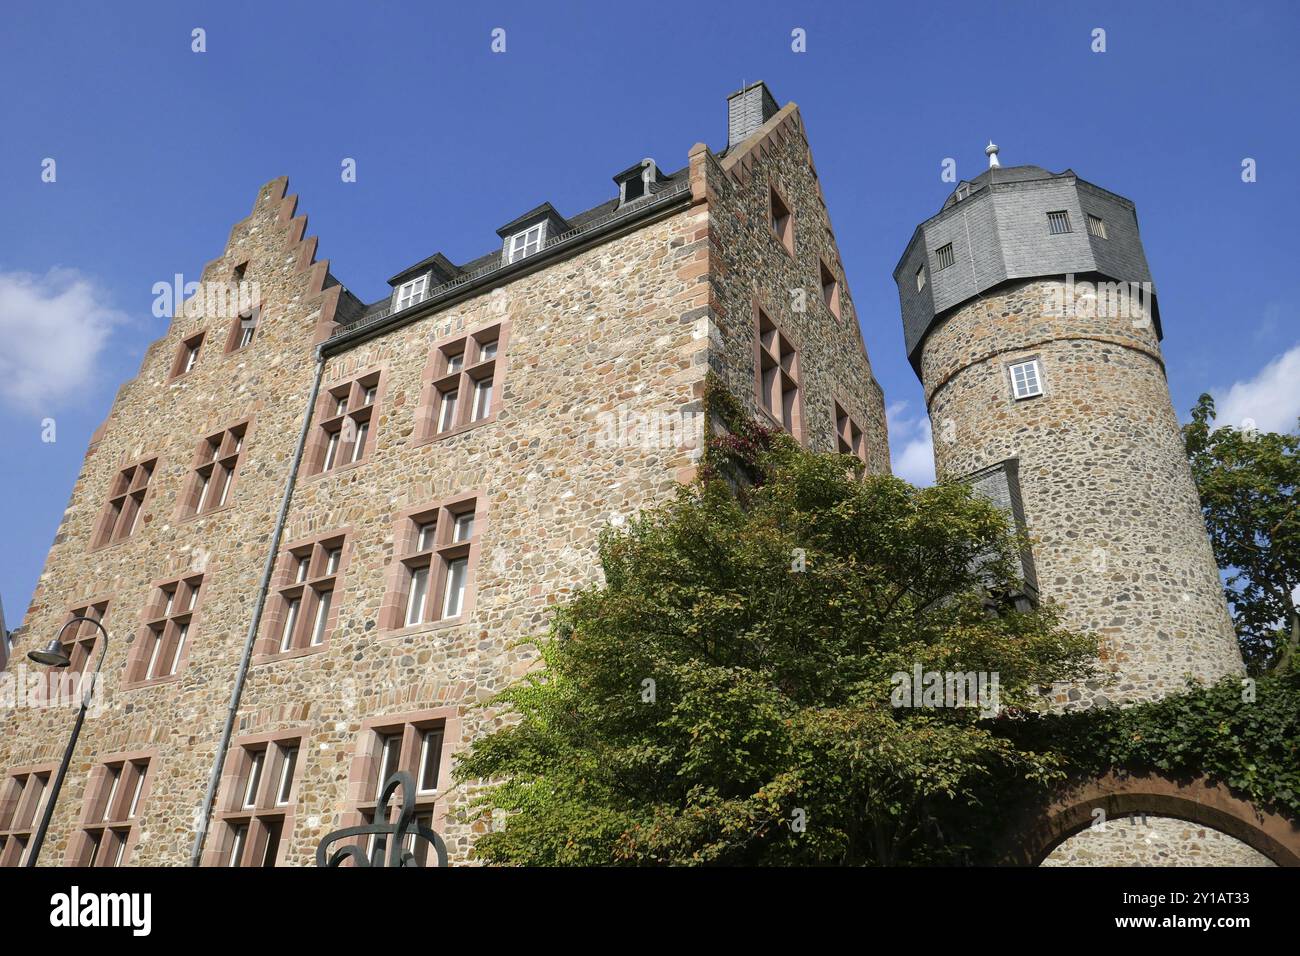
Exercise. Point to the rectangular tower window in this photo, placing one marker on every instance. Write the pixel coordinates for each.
(777, 376)
(346, 413)
(1097, 226)
(160, 651)
(109, 819)
(1026, 381)
(1058, 223)
(22, 804)
(463, 384)
(215, 465)
(416, 744)
(920, 279)
(782, 221)
(830, 289)
(438, 548)
(125, 502)
(304, 609)
(254, 810)
(943, 257)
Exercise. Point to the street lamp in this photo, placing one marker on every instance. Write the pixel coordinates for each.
(53, 655)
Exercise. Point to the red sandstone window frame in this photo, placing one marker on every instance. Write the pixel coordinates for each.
(112, 808)
(235, 337)
(441, 377)
(830, 287)
(780, 217)
(777, 364)
(80, 643)
(850, 438)
(181, 365)
(127, 495)
(169, 622)
(21, 807)
(436, 557)
(257, 825)
(214, 471)
(294, 581)
(357, 418)
(364, 772)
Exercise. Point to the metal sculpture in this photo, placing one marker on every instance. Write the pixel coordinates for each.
(388, 848)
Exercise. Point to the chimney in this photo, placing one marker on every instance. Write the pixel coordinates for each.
(747, 110)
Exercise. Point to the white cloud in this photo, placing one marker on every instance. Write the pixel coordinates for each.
(911, 445)
(52, 331)
(1271, 399)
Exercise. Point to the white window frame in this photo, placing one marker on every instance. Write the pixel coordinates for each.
(411, 292)
(1030, 383)
(526, 243)
(289, 754)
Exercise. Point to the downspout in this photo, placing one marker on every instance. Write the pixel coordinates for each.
(232, 710)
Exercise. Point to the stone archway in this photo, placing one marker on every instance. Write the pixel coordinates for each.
(1036, 830)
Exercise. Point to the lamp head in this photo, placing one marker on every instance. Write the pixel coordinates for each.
(52, 654)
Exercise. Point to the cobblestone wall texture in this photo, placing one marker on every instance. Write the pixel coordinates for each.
(1118, 538)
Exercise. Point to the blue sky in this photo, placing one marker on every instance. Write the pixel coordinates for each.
(159, 150)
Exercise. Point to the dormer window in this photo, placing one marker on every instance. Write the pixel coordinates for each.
(412, 292)
(525, 243)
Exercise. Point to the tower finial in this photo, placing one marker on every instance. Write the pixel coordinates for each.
(991, 152)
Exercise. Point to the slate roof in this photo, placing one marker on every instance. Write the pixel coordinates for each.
(439, 263)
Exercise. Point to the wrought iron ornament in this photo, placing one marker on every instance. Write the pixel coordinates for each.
(389, 837)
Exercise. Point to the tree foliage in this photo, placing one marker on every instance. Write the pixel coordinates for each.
(1249, 484)
(724, 696)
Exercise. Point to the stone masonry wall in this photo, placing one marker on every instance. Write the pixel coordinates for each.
(750, 265)
(266, 383)
(603, 360)
(1108, 495)
(593, 340)
(1154, 841)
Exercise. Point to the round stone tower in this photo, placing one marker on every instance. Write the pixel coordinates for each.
(1031, 320)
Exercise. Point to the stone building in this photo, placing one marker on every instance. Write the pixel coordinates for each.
(317, 530)
(1031, 320)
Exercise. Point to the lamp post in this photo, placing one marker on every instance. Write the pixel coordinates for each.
(53, 655)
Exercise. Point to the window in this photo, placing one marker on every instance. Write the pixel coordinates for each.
(162, 646)
(126, 497)
(187, 356)
(777, 371)
(848, 435)
(244, 329)
(22, 802)
(943, 257)
(1058, 223)
(347, 413)
(1026, 382)
(304, 609)
(463, 382)
(215, 465)
(115, 794)
(254, 810)
(525, 243)
(830, 289)
(417, 744)
(782, 220)
(437, 549)
(1096, 227)
(410, 293)
(920, 278)
(80, 641)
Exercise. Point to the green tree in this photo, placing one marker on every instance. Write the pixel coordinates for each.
(724, 696)
(1248, 483)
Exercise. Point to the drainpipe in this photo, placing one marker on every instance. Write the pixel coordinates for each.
(232, 710)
